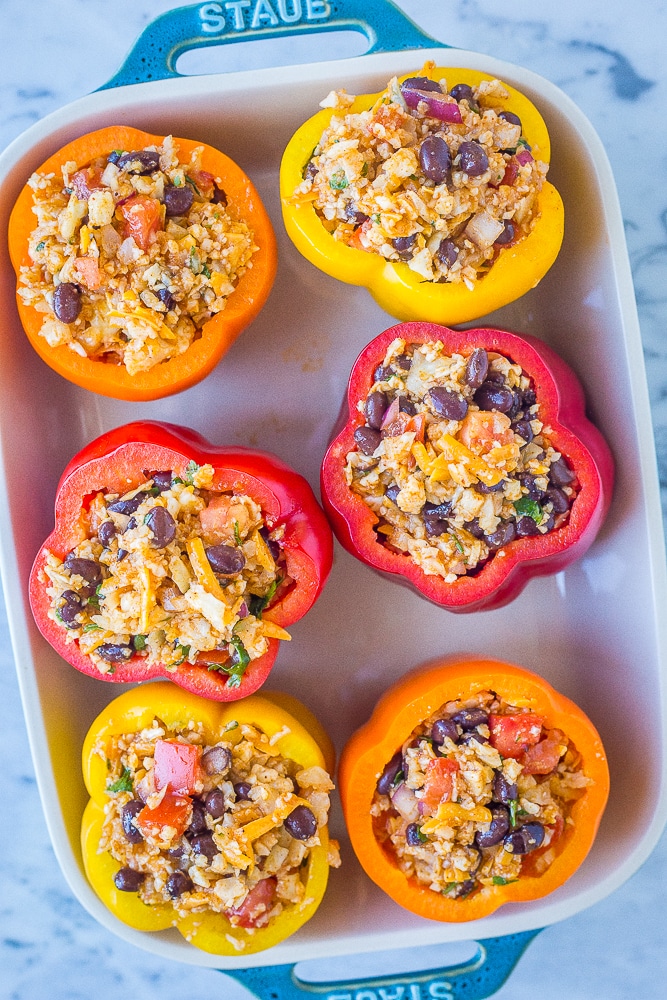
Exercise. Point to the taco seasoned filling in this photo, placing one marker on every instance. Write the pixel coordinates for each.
(454, 459)
(171, 571)
(479, 794)
(132, 254)
(225, 828)
(442, 179)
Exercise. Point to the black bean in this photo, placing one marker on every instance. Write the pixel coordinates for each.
(437, 509)
(128, 813)
(524, 430)
(547, 522)
(242, 789)
(412, 835)
(406, 405)
(421, 83)
(474, 528)
(162, 525)
(367, 439)
(473, 160)
(484, 489)
(464, 889)
(178, 200)
(509, 116)
(128, 880)
(142, 161)
(392, 492)
(447, 253)
(106, 532)
(500, 824)
(463, 92)
(507, 234)
(161, 480)
(131, 525)
(386, 780)
(353, 215)
(127, 506)
(559, 501)
(528, 483)
(198, 821)
(435, 527)
(528, 398)
(217, 760)
(526, 527)
(560, 473)
(470, 718)
(503, 790)
(405, 246)
(375, 409)
(220, 196)
(67, 302)
(121, 554)
(227, 560)
(301, 823)
(381, 374)
(166, 297)
(214, 803)
(527, 838)
(477, 367)
(492, 396)
(403, 361)
(447, 403)
(435, 518)
(443, 729)
(205, 845)
(114, 156)
(503, 535)
(69, 611)
(88, 569)
(435, 159)
(178, 883)
(115, 652)
(472, 737)
(273, 545)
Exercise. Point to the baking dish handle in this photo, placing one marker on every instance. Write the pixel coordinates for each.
(481, 977)
(157, 49)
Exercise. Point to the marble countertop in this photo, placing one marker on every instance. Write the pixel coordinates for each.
(610, 59)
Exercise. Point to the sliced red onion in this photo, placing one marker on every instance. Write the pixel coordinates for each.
(404, 802)
(524, 156)
(439, 106)
(391, 413)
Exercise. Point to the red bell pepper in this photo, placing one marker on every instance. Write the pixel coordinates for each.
(506, 572)
(120, 461)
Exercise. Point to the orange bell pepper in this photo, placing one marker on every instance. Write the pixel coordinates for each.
(411, 701)
(141, 219)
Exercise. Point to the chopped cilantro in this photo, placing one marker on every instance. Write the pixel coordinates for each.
(191, 470)
(457, 543)
(421, 836)
(376, 218)
(338, 181)
(237, 534)
(529, 508)
(122, 784)
(235, 671)
(500, 880)
(195, 261)
(400, 776)
(364, 170)
(184, 651)
(139, 642)
(177, 181)
(257, 604)
(206, 270)
(522, 144)
(449, 888)
(92, 627)
(98, 596)
(41, 245)
(192, 183)
(514, 806)
(231, 725)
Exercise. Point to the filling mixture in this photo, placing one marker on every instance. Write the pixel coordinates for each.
(132, 254)
(171, 571)
(440, 179)
(478, 795)
(224, 828)
(454, 458)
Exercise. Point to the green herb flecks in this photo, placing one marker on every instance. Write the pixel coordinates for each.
(529, 508)
(184, 651)
(421, 836)
(500, 880)
(257, 604)
(206, 270)
(92, 627)
(364, 170)
(450, 889)
(195, 261)
(235, 671)
(192, 184)
(231, 725)
(458, 543)
(338, 181)
(139, 642)
(41, 245)
(237, 534)
(94, 599)
(122, 784)
(191, 471)
(513, 808)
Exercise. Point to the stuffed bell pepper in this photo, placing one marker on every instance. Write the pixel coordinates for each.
(474, 784)
(139, 260)
(174, 557)
(432, 194)
(207, 817)
(466, 464)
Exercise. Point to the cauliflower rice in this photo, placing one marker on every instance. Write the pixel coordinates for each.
(468, 803)
(171, 571)
(132, 254)
(444, 197)
(454, 459)
(234, 849)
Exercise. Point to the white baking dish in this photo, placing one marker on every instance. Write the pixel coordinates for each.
(594, 631)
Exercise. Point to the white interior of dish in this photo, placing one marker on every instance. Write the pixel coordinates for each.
(594, 631)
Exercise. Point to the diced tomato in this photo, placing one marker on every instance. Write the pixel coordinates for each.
(85, 181)
(88, 270)
(257, 903)
(224, 519)
(438, 785)
(511, 172)
(482, 430)
(204, 182)
(390, 115)
(544, 756)
(418, 425)
(511, 735)
(143, 219)
(355, 239)
(173, 811)
(176, 765)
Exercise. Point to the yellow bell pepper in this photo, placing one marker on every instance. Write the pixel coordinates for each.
(295, 734)
(403, 293)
